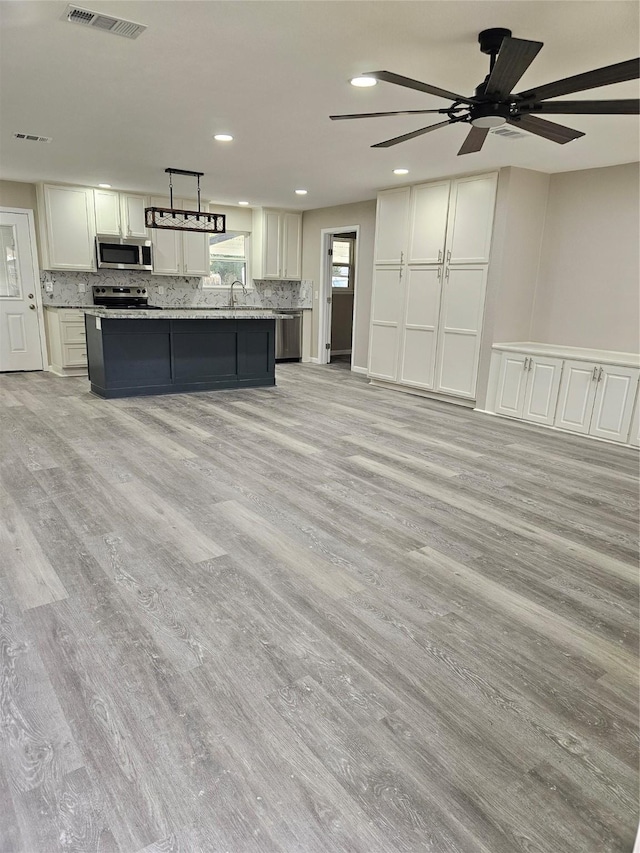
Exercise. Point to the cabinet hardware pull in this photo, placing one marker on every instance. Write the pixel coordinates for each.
(525, 363)
(595, 374)
(439, 256)
(599, 374)
(401, 257)
(439, 273)
(448, 256)
(530, 364)
(446, 273)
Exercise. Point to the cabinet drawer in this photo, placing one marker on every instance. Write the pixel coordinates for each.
(71, 315)
(74, 355)
(73, 333)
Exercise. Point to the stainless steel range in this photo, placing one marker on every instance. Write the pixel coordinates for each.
(121, 297)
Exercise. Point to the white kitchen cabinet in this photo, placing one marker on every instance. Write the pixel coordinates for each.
(132, 216)
(460, 328)
(470, 224)
(429, 208)
(120, 214)
(392, 223)
(386, 313)
(541, 391)
(634, 431)
(107, 207)
(67, 227)
(511, 385)
(420, 326)
(179, 252)
(66, 341)
(613, 405)
(577, 395)
(280, 238)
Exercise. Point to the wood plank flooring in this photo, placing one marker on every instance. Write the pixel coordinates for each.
(320, 617)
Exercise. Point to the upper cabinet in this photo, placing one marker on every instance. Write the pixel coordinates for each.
(277, 236)
(67, 227)
(471, 219)
(179, 252)
(392, 219)
(120, 214)
(429, 208)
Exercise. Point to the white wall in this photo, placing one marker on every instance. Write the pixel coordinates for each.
(588, 284)
(313, 221)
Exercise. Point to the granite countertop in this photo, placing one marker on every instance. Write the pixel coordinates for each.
(183, 314)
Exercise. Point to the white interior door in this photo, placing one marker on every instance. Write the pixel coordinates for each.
(577, 393)
(386, 310)
(460, 329)
(512, 380)
(615, 395)
(541, 395)
(429, 207)
(420, 333)
(20, 342)
(471, 219)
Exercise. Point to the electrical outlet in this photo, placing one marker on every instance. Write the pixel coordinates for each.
(48, 287)
(82, 287)
(160, 290)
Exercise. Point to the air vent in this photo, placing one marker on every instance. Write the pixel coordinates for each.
(31, 137)
(115, 26)
(506, 131)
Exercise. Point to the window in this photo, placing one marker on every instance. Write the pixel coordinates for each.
(228, 259)
(342, 263)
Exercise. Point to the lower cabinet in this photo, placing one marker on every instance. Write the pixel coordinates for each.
(578, 395)
(528, 387)
(386, 314)
(66, 341)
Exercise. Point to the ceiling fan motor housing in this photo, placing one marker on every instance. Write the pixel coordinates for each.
(490, 40)
(489, 114)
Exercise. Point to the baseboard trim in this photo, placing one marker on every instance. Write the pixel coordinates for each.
(559, 430)
(340, 352)
(356, 369)
(419, 392)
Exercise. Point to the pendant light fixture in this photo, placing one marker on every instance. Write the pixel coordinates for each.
(174, 219)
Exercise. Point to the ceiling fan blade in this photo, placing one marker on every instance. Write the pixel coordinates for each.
(399, 80)
(514, 57)
(398, 113)
(474, 141)
(548, 129)
(618, 73)
(624, 107)
(406, 136)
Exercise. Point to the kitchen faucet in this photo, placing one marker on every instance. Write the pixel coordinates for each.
(231, 297)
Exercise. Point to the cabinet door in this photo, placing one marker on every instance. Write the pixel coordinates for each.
(392, 222)
(291, 245)
(634, 432)
(167, 246)
(132, 215)
(512, 381)
(460, 328)
(386, 308)
(429, 206)
(541, 395)
(420, 332)
(471, 219)
(70, 223)
(195, 253)
(107, 205)
(271, 244)
(615, 395)
(577, 393)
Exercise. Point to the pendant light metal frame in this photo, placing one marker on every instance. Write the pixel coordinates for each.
(174, 219)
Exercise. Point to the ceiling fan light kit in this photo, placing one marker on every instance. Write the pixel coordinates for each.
(175, 219)
(494, 104)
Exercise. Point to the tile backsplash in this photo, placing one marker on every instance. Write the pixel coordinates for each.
(178, 291)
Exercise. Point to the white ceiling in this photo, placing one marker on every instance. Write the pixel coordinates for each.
(270, 73)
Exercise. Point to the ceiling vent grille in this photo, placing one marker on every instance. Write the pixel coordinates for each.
(115, 26)
(31, 137)
(506, 131)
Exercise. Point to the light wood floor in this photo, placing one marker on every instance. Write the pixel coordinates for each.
(318, 618)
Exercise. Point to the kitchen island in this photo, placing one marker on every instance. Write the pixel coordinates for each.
(134, 352)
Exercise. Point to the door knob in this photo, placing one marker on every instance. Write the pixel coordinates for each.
(33, 307)
(30, 296)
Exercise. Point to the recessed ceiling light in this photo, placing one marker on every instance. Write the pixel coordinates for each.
(363, 82)
(244, 203)
(223, 137)
(400, 171)
(301, 192)
(105, 186)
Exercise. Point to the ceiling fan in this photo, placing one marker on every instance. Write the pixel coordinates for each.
(493, 103)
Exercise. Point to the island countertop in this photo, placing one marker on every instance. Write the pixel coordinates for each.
(184, 313)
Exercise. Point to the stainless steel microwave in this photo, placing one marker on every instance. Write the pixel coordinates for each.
(116, 253)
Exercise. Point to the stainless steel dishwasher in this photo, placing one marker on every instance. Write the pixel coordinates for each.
(289, 336)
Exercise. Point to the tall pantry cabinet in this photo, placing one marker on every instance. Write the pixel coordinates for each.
(431, 261)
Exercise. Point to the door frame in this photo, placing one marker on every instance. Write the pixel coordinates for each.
(324, 289)
(36, 274)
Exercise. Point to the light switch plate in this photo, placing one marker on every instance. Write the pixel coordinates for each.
(48, 287)
(160, 290)
(82, 287)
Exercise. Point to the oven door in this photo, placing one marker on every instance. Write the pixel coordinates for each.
(123, 255)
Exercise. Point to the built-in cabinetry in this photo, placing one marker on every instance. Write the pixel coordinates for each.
(583, 391)
(179, 252)
(66, 341)
(67, 226)
(120, 214)
(278, 244)
(432, 249)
